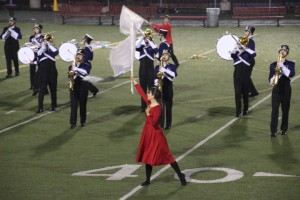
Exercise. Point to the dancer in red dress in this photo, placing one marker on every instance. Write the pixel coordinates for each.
(153, 147)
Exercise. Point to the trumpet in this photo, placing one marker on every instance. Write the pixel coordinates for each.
(148, 33)
(242, 40)
(48, 39)
(277, 71)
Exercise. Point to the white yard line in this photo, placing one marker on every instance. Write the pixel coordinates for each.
(136, 189)
(48, 113)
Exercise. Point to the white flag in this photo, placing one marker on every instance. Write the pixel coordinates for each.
(127, 18)
(122, 55)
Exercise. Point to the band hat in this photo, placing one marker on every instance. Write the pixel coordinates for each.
(80, 51)
(163, 32)
(39, 26)
(88, 38)
(250, 29)
(284, 47)
(166, 51)
(12, 19)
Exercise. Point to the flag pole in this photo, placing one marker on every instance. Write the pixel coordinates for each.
(131, 57)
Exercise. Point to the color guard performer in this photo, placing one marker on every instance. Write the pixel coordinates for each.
(147, 49)
(153, 148)
(169, 72)
(88, 58)
(79, 88)
(11, 34)
(47, 72)
(167, 26)
(249, 31)
(280, 76)
(242, 56)
(36, 40)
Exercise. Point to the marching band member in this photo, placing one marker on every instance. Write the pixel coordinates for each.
(163, 42)
(47, 72)
(147, 49)
(249, 31)
(11, 34)
(153, 148)
(242, 56)
(282, 91)
(169, 72)
(79, 91)
(36, 39)
(166, 26)
(88, 58)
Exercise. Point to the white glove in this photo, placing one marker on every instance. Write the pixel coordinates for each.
(162, 69)
(156, 82)
(284, 70)
(14, 34)
(234, 50)
(153, 46)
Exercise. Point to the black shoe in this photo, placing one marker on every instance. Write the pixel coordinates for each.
(283, 133)
(145, 183)
(182, 179)
(95, 93)
(52, 109)
(17, 74)
(35, 92)
(82, 125)
(8, 76)
(72, 126)
(273, 134)
(40, 110)
(167, 128)
(245, 112)
(253, 94)
(238, 115)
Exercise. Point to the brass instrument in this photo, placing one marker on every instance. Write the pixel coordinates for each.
(71, 74)
(277, 71)
(148, 33)
(48, 38)
(160, 75)
(242, 40)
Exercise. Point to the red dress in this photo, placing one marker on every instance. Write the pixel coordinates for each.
(153, 148)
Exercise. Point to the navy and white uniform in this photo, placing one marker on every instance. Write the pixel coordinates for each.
(11, 35)
(163, 46)
(36, 39)
(88, 58)
(146, 70)
(241, 78)
(251, 45)
(281, 94)
(169, 73)
(47, 74)
(80, 92)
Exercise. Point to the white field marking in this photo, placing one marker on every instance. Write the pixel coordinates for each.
(198, 116)
(158, 173)
(7, 113)
(265, 174)
(48, 113)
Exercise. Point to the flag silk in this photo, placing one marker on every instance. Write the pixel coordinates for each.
(127, 18)
(122, 55)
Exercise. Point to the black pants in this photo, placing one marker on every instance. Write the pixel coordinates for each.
(47, 77)
(281, 95)
(11, 53)
(241, 77)
(252, 89)
(33, 76)
(174, 58)
(167, 101)
(146, 77)
(79, 96)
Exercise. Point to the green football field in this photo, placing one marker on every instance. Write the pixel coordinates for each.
(224, 157)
